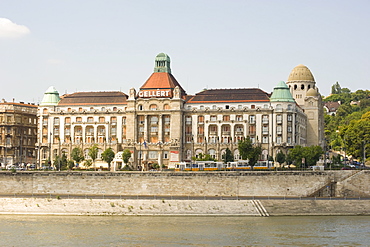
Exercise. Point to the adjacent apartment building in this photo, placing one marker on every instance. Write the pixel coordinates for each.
(160, 123)
(18, 133)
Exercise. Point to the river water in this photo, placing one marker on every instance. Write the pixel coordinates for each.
(25, 230)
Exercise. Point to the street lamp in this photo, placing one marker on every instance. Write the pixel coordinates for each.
(364, 153)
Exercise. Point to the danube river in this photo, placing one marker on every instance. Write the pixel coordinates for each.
(25, 230)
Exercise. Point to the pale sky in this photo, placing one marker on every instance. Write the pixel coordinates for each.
(97, 45)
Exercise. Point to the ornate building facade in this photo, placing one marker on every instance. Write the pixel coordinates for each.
(160, 123)
(18, 133)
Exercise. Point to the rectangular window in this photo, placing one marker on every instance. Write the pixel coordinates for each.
(265, 139)
(188, 120)
(252, 130)
(278, 140)
(252, 119)
(141, 119)
(154, 120)
(279, 119)
(167, 120)
(226, 118)
(165, 154)
(153, 154)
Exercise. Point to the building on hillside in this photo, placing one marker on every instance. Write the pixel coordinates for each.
(18, 133)
(160, 123)
(331, 107)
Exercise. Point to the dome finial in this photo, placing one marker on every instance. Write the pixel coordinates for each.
(162, 63)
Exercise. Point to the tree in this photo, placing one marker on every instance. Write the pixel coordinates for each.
(126, 155)
(70, 164)
(280, 158)
(249, 151)
(336, 89)
(87, 164)
(93, 153)
(310, 155)
(77, 155)
(355, 136)
(228, 156)
(108, 156)
(202, 157)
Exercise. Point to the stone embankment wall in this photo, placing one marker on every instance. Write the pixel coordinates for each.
(355, 185)
(283, 184)
(286, 184)
(55, 206)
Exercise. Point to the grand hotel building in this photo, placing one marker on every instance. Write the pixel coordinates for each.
(161, 123)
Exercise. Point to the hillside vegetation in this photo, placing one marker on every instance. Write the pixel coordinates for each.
(349, 129)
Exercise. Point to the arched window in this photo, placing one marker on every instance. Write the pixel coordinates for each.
(166, 107)
(140, 107)
(302, 87)
(153, 107)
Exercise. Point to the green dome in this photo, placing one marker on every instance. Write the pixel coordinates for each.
(51, 97)
(281, 93)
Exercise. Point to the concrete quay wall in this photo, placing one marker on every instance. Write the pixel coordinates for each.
(55, 206)
(269, 183)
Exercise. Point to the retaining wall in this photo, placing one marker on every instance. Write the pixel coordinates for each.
(292, 183)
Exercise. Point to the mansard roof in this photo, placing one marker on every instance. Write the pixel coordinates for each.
(94, 98)
(230, 96)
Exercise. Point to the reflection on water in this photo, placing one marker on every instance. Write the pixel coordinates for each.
(22, 230)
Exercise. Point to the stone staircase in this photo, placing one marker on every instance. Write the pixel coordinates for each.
(332, 188)
(260, 208)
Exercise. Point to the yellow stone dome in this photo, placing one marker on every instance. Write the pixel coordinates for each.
(311, 92)
(301, 73)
